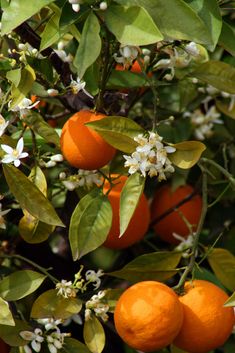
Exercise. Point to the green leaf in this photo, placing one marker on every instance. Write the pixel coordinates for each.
(20, 284)
(132, 25)
(94, 335)
(5, 64)
(125, 79)
(175, 19)
(6, 317)
(222, 263)
(26, 81)
(89, 46)
(74, 346)
(50, 304)
(209, 12)
(69, 17)
(11, 334)
(52, 32)
(217, 74)
(42, 128)
(158, 266)
(187, 153)
(227, 38)
(14, 76)
(90, 224)
(30, 197)
(19, 11)
(118, 132)
(230, 301)
(130, 195)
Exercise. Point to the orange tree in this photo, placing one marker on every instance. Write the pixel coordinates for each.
(65, 107)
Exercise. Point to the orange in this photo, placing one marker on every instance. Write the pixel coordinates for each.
(139, 223)
(207, 323)
(164, 200)
(148, 316)
(41, 104)
(4, 348)
(81, 146)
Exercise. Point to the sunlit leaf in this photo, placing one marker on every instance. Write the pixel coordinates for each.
(224, 108)
(187, 153)
(168, 16)
(217, 74)
(52, 32)
(32, 230)
(90, 224)
(6, 317)
(132, 25)
(158, 266)
(130, 195)
(14, 76)
(118, 132)
(50, 304)
(19, 11)
(19, 284)
(222, 263)
(89, 46)
(74, 346)
(10, 334)
(94, 335)
(29, 196)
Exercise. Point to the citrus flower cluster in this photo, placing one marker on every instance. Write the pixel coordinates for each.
(83, 178)
(50, 334)
(127, 54)
(23, 107)
(204, 123)
(69, 289)
(150, 156)
(96, 306)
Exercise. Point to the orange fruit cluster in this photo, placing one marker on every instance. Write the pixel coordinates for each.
(139, 223)
(164, 200)
(81, 146)
(149, 316)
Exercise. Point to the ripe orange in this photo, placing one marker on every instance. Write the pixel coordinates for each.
(41, 104)
(163, 200)
(207, 323)
(4, 348)
(81, 146)
(148, 316)
(139, 223)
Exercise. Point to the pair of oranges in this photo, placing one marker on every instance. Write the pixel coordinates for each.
(84, 148)
(150, 316)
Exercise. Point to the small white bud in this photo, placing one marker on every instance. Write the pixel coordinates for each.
(103, 5)
(34, 51)
(146, 51)
(57, 158)
(60, 45)
(76, 7)
(146, 59)
(50, 164)
(52, 92)
(62, 175)
(73, 1)
(21, 46)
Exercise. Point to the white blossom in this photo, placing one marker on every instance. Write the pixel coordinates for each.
(24, 106)
(78, 85)
(127, 55)
(94, 277)
(73, 318)
(3, 125)
(204, 123)
(35, 337)
(14, 154)
(84, 178)
(95, 305)
(192, 49)
(66, 289)
(55, 341)
(57, 158)
(150, 157)
(50, 323)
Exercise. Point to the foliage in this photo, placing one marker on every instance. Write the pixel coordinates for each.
(171, 121)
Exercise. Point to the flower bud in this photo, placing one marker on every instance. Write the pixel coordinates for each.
(103, 5)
